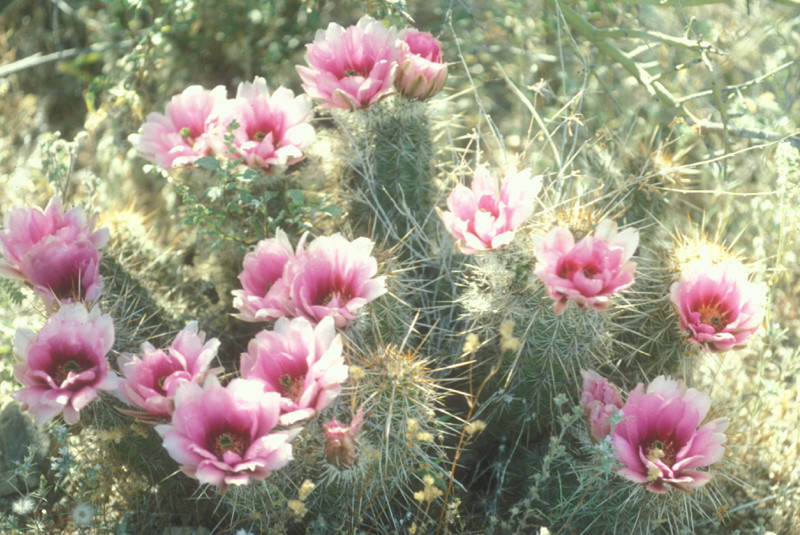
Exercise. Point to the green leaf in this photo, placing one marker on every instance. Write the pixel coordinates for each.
(209, 162)
(332, 210)
(296, 196)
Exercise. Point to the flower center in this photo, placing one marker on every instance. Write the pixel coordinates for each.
(160, 384)
(62, 370)
(68, 287)
(350, 72)
(293, 386)
(663, 451)
(259, 136)
(590, 271)
(713, 316)
(337, 297)
(235, 441)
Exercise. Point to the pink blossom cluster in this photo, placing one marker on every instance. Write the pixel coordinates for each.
(587, 272)
(332, 276)
(263, 129)
(659, 440)
(718, 307)
(357, 66)
(57, 253)
(484, 216)
(228, 435)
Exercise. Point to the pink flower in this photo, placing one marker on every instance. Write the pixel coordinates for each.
(351, 68)
(660, 441)
(589, 271)
(421, 73)
(224, 436)
(272, 130)
(484, 218)
(55, 252)
(263, 295)
(180, 136)
(152, 380)
(64, 271)
(718, 307)
(600, 399)
(333, 277)
(64, 365)
(301, 362)
(340, 441)
(24, 228)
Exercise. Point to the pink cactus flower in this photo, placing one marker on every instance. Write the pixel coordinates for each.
(151, 381)
(353, 67)
(224, 436)
(263, 295)
(421, 73)
(62, 272)
(24, 228)
(660, 441)
(301, 362)
(57, 253)
(273, 129)
(64, 366)
(591, 270)
(340, 441)
(333, 277)
(483, 218)
(180, 136)
(718, 307)
(600, 399)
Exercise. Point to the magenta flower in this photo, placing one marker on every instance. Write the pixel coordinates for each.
(263, 295)
(64, 365)
(151, 381)
(421, 73)
(301, 362)
(273, 129)
(600, 399)
(224, 436)
(180, 136)
(591, 270)
(483, 218)
(660, 440)
(333, 277)
(718, 307)
(340, 441)
(57, 253)
(353, 67)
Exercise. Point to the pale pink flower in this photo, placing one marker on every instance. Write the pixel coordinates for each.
(353, 67)
(600, 399)
(180, 136)
(64, 366)
(263, 295)
(718, 307)
(340, 441)
(24, 228)
(333, 277)
(273, 129)
(224, 436)
(660, 440)
(57, 253)
(484, 217)
(301, 362)
(421, 73)
(591, 270)
(151, 380)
